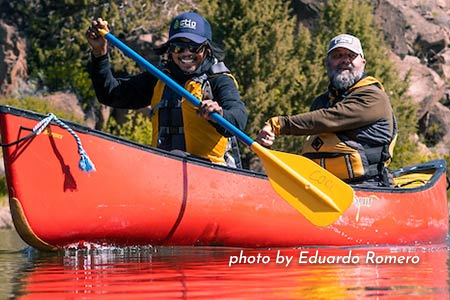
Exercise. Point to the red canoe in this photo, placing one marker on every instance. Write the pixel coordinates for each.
(139, 195)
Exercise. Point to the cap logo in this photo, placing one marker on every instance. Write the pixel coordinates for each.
(343, 39)
(185, 23)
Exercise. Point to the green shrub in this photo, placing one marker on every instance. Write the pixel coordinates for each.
(137, 127)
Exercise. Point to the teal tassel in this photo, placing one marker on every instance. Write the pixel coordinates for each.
(85, 163)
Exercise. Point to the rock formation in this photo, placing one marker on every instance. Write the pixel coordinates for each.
(13, 63)
(419, 35)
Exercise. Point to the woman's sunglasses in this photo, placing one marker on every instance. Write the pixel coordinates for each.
(179, 47)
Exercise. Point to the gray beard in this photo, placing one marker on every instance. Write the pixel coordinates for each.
(344, 80)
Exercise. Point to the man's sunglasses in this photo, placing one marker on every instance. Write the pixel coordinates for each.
(178, 47)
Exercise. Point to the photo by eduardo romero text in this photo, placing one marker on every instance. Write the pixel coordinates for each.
(313, 257)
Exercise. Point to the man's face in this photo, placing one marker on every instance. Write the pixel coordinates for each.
(344, 68)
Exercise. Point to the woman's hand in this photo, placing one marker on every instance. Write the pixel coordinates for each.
(97, 42)
(207, 107)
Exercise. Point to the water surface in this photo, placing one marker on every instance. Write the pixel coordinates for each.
(419, 272)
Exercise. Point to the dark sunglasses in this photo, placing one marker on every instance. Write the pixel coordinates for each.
(178, 47)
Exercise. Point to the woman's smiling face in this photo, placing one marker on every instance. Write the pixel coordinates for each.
(187, 55)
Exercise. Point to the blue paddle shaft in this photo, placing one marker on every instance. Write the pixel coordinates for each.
(176, 87)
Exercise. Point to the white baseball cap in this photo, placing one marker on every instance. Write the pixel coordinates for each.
(346, 41)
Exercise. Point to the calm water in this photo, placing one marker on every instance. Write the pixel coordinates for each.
(223, 273)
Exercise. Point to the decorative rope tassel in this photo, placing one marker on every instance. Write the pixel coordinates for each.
(85, 164)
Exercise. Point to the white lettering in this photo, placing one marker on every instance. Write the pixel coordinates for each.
(303, 259)
(323, 259)
(188, 23)
(233, 260)
(242, 259)
(370, 256)
(313, 259)
(280, 259)
(288, 260)
(251, 259)
(390, 259)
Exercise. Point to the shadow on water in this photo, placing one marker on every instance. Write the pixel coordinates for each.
(416, 272)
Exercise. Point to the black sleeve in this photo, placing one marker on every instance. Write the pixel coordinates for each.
(131, 92)
(226, 93)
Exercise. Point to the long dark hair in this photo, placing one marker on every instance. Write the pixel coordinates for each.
(217, 50)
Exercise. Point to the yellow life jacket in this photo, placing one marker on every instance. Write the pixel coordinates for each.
(200, 137)
(348, 159)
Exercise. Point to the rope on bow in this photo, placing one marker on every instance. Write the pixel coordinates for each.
(85, 164)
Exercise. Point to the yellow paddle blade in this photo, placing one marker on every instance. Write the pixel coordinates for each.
(316, 193)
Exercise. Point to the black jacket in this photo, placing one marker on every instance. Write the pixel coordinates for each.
(136, 91)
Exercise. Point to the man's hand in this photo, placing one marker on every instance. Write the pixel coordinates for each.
(266, 136)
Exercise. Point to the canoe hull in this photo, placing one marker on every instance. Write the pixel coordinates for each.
(140, 195)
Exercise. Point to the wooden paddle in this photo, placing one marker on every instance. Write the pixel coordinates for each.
(316, 193)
